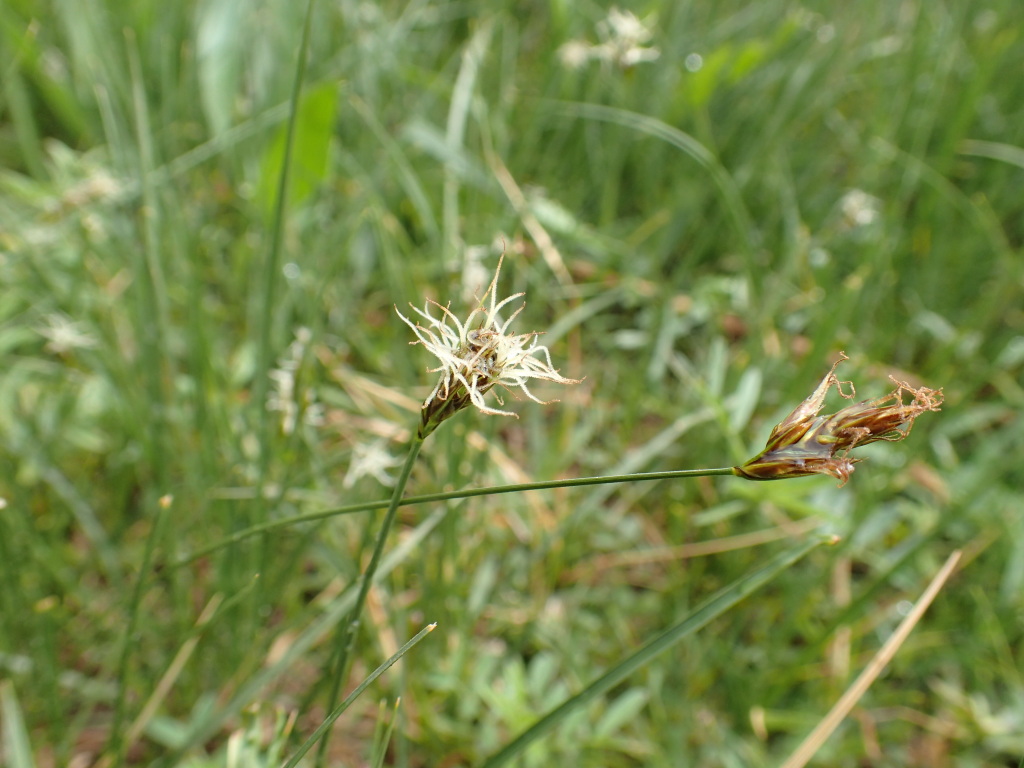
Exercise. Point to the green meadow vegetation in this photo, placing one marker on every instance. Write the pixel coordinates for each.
(209, 212)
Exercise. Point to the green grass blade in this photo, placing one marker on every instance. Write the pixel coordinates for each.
(458, 114)
(17, 751)
(346, 638)
(340, 709)
(336, 612)
(382, 738)
(271, 278)
(727, 186)
(710, 610)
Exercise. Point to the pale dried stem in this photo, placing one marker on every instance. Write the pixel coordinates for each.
(878, 663)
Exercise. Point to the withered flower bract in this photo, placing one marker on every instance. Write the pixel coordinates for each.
(475, 355)
(808, 444)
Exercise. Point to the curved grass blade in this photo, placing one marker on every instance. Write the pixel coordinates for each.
(340, 709)
(728, 188)
(718, 604)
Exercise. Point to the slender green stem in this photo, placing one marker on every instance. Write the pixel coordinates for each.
(326, 724)
(544, 485)
(267, 306)
(202, 730)
(718, 604)
(271, 269)
(152, 300)
(347, 636)
(116, 746)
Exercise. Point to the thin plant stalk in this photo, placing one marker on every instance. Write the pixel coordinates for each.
(325, 726)
(173, 673)
(268, 292)
(117, 745)
(382, 735)
(347, 636)
(203, 729)
(714, 607)
(428, 498)
(152, 302)
(271, 269)
(817, 738)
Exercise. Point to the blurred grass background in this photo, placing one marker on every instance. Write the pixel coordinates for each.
(699, 230)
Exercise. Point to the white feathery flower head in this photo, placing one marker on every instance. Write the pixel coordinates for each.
(624, 39)
(371, 460)
(859, 209)
(285, 397)
(64, 335)
(476, 354)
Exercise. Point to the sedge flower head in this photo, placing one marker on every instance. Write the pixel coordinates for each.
(806, 443)
(477, 354)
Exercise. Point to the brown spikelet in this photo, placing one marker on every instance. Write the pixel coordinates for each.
(805, 443)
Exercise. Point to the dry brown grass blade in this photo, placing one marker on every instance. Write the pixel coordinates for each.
(885, 654)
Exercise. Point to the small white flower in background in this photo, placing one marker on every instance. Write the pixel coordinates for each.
(283, 396)
(859, 209)
(623, 40)
(371, 460)
(624, 36)
(475, 355)
(64, 334)
(98, 186)
(575, 53)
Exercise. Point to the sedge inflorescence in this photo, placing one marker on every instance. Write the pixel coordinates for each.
(806, 443)
(477, 354)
